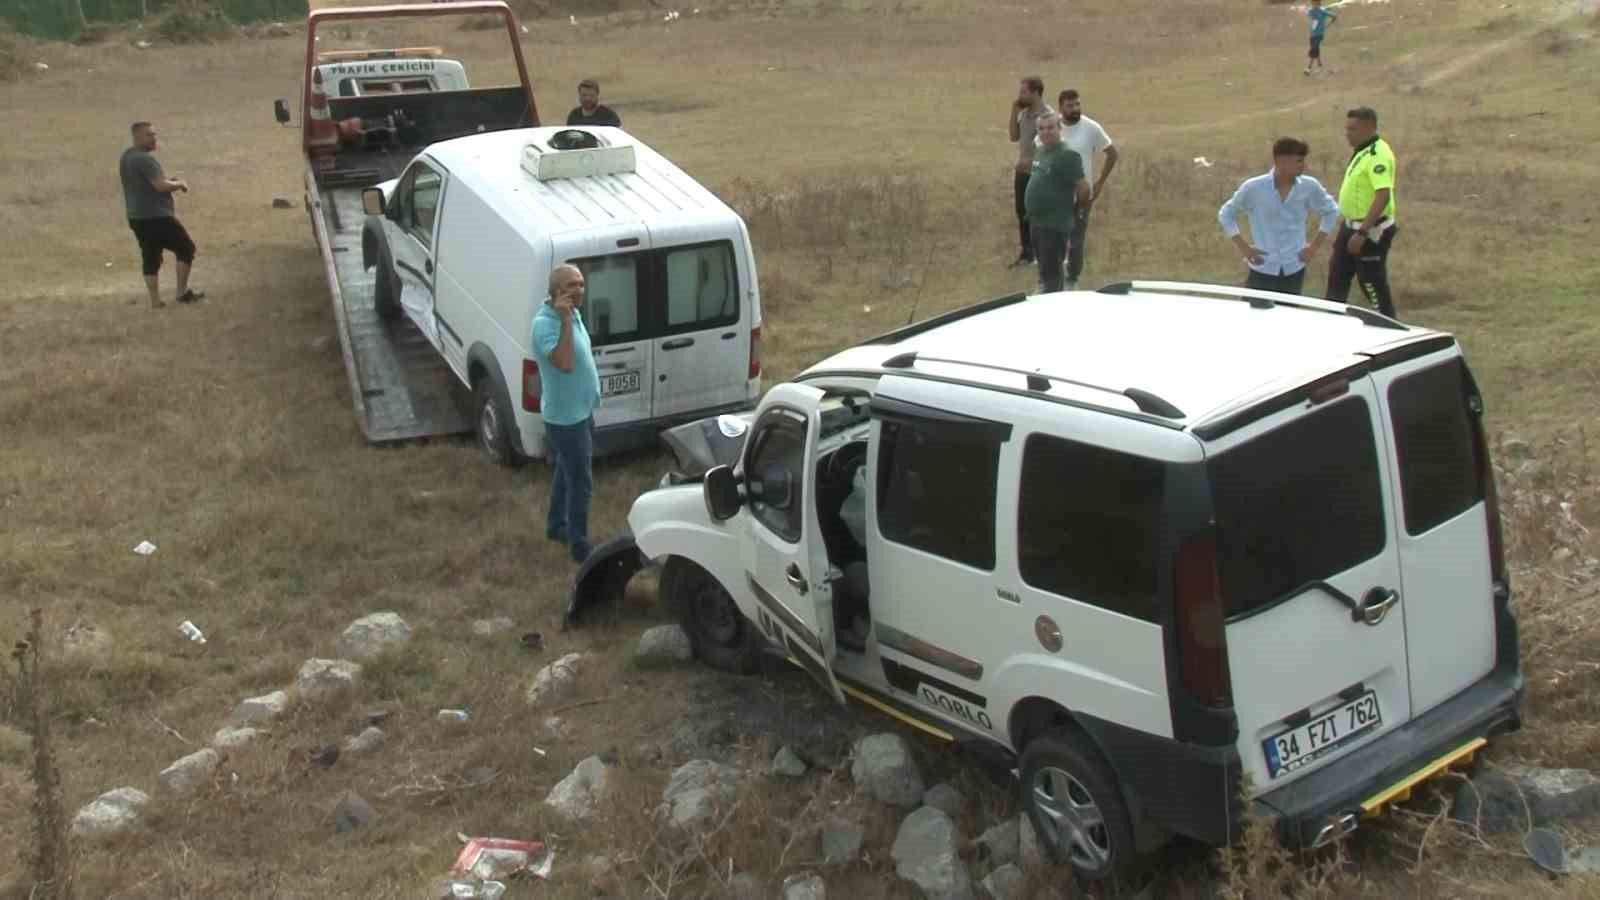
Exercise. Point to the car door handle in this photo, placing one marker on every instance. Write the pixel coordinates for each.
(427, 266)
(678, 344)
(1375, 605)
(795, 579)
(730, 335)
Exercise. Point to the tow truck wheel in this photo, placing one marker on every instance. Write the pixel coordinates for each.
(718, 632)
(1072, 798)
(385, 287)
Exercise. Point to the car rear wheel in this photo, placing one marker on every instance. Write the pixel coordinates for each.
(494, 425)
(1073, 800)
(718, 632)
(386, 287)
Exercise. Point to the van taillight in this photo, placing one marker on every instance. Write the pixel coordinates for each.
(1498, 575)
(532, 387)
(755, 352)
(1202, 642)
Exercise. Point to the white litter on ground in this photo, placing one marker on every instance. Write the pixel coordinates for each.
(145, 548)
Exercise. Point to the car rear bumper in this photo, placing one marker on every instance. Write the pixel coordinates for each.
(1330, 802)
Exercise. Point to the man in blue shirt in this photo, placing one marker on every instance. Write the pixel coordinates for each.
(1319, 28)
(1276, 204)
(569, 395)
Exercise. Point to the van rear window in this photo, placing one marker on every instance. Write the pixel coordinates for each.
(1296, 505)
(1433, 438)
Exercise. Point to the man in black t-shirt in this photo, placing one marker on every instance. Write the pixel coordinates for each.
(147, 194)
(589, 111)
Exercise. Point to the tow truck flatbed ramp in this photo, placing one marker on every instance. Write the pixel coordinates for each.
(399, 385)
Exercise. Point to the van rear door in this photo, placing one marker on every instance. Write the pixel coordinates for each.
(702, 350)
(616, 264)
(1309, 572)
(1443, 525)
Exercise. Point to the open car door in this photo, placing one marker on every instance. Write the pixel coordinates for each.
(787, 565)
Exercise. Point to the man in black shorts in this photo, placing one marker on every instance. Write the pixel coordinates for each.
(147, 192)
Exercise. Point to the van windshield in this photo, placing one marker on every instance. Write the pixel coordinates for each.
(1297, 505)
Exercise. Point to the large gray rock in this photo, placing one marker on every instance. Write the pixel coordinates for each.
(351, 812)
(1006, 883)
(998, 845)
(663, 645)
(264, 708)
(114, 812)
(1584, 861)
(1507, 799)
(370, 739)
(371, 635)
(884, 769)
(190, 772)
(944, 796)
(576, 795)
(320, 679)
(841, 841)
(233, 738)
(788, 763)
(804, 887)
(926, 854)
(555, 682)
(743, 886)
(1031, 854)
(698, 791)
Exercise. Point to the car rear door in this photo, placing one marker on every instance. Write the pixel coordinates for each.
(616, 266)
(1309, 571)
(702, 352)
(1444, 530)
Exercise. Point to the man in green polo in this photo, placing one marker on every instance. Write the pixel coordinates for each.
(1366, 208)
(1057, 196)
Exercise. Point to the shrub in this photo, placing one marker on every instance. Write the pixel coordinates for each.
(194, 23)
(12, 63)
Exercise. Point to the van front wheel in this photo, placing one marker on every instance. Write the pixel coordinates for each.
(493, 425)
(385, 287)
(719, 634)
(1073, 800)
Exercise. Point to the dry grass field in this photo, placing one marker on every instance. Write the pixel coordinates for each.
(865, 143)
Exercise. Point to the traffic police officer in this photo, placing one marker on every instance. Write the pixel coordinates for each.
(1366, 206)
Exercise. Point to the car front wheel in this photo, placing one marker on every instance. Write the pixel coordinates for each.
(1073, 800)
(494, 425)
(386, 287)
(718, 631)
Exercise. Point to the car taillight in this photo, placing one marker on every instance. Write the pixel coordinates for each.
(532, 387)
(1202, 642)
(755, 352)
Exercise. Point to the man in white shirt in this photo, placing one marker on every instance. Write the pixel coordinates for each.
(1277, 204)
(1084, 135)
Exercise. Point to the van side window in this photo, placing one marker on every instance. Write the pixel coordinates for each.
(702, 287)
(936, 490)
(423, 204)
(611, 302)
(1433, 439)
(775, 473)
(1089, 524)
(1298, 504)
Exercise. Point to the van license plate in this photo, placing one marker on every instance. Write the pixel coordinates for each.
(621, 383)
(1289, 750)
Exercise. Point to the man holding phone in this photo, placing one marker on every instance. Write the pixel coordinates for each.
(569, 395)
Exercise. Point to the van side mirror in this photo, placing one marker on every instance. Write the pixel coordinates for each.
(721, 489)
(280, 111)
(372, 202)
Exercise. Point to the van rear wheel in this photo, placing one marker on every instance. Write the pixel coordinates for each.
(719, 634)
(494, 425)
(1076, 806)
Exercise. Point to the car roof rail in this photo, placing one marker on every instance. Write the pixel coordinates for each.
(1146, 401)
(1256, 298)
(932, 322)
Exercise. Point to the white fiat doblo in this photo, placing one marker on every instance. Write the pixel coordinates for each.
(1158, 546)
(464, 241)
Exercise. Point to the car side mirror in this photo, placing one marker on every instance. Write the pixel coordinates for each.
(372, 202)
(721, 488)
(280, 111)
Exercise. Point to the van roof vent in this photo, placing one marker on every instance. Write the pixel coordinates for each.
(572, 153)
